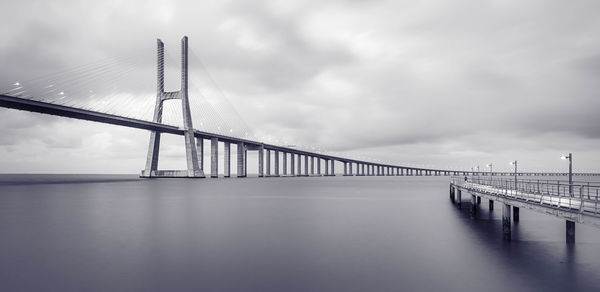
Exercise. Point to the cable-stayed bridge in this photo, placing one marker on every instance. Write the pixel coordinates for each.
(108, 108)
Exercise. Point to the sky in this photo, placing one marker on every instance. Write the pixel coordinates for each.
(455, 84)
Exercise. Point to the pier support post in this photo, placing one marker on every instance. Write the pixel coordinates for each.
(458, 198)
(478, 200)
(570, 231)
(214, 157)
(345, 168)
(473, 206)
(491, 205)
(299, 165)
(515, 214)
(227, 159)
(506, 234)
(312, 165)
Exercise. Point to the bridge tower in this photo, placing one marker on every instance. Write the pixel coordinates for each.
(193, 168)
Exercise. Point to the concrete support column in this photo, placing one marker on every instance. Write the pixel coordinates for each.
(214, 157)
(570, 231)
(459, 198)
(318, 166)
(478, 200)
(292, 162)
(268, 162)
(306, 165)
(261, 164)
(227, 159)
(345, 168)
(473, 206)
(200, 150)
(350, 168)
(491, 205)
(299, 165)
(326, 167)
(332, 167)
(276, 161)
(241, 160)
(506, 234)
(363, 169)
(515, 214)
(284, 163)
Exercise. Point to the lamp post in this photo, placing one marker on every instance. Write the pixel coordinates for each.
(570, 157)
(515, 164)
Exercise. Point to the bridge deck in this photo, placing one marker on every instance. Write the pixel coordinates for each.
(19, 103)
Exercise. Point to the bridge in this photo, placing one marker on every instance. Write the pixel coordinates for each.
(301, 162)
(574, 202)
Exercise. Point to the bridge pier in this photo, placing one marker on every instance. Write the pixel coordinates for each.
(319, 166)
(200, 150)
(312, 165)
(506, 233)
(292, 166)
(491, 205)
(241, 159)
(306, 165)
(515, 214)
(332, 167)
(214, 157)
(478, 200)
(267, 162)
(345, 168)
(261, 159)
(458, 198)
(276, 161)
(570, 231)
(299, 165)
(284, 162)
(227, 159)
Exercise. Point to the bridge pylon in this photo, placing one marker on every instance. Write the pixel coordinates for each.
(193, 167)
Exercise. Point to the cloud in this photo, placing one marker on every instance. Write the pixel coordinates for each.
(429, 82)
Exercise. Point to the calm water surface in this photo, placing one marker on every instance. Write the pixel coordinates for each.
(120, 233)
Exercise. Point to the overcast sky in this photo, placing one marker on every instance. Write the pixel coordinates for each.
(428, 83)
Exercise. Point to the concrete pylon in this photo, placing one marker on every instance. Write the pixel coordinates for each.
(191, 154)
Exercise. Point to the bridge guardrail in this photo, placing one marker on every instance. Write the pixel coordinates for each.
(583, 197)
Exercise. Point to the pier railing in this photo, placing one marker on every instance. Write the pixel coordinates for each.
(582, 197)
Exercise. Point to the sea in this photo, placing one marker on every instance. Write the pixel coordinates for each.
(123, 233)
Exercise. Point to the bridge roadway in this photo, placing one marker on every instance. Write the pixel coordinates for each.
(578, 202)
(360, 167)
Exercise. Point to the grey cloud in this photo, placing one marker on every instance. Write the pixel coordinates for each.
(430, 82)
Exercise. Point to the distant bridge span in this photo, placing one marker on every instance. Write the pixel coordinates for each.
(301, 162)
(370, 168)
